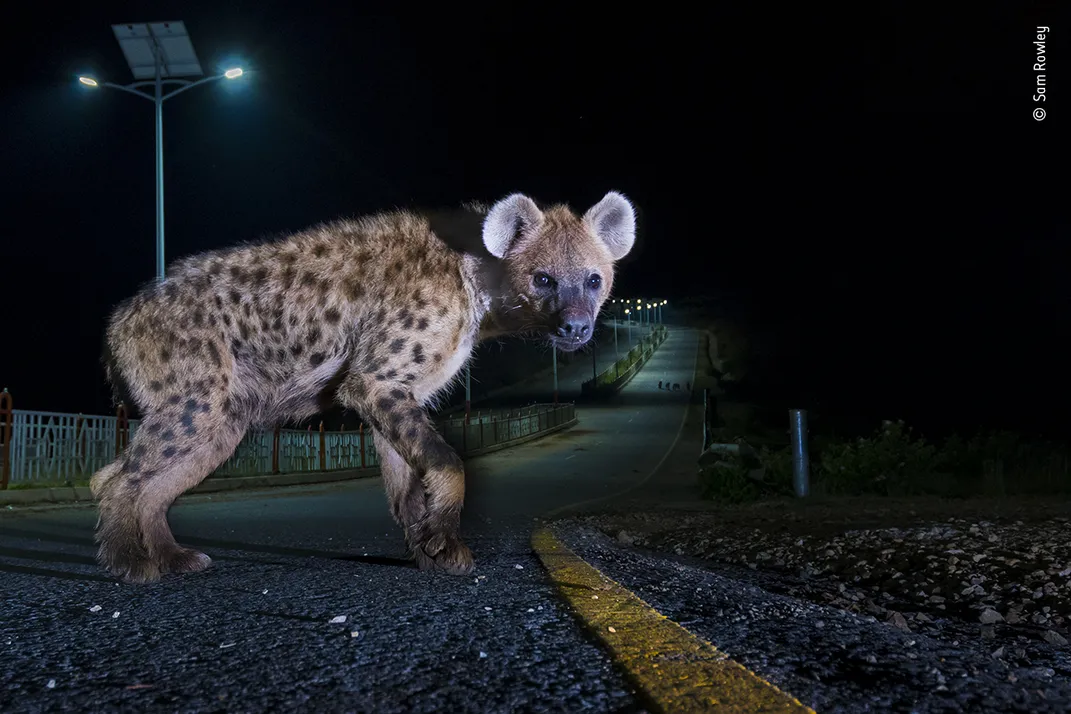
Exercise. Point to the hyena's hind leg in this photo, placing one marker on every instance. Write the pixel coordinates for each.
(170, 453)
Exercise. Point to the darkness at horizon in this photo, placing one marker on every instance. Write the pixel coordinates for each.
(866, 196)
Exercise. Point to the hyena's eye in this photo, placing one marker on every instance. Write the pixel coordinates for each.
(595, 282)
(542, 280)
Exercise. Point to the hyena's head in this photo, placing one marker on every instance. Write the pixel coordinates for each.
(559, 267)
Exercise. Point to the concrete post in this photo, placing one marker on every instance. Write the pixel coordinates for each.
(800, 459)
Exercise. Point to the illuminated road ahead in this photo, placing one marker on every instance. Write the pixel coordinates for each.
(573, 370)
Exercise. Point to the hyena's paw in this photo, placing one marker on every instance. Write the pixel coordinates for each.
(184, 560)
(445, 552)
(129, 564)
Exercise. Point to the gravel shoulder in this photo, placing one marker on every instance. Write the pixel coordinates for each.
(991, 575)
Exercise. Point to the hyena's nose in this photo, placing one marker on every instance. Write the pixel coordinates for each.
(575, 328)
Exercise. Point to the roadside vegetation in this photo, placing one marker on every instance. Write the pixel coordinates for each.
(896, 461)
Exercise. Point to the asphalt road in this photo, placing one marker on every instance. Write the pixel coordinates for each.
(255, 632)
(831, 660)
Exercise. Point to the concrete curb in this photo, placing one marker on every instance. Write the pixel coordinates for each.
(217, 484)
(79, 494)
(53, 494)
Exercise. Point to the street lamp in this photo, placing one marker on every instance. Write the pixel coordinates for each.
(159, 53)
(617, 355)
(628, 321)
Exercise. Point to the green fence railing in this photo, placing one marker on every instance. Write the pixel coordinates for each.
(620, 372)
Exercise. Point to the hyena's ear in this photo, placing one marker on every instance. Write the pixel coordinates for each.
(614, 221)
(507, 220)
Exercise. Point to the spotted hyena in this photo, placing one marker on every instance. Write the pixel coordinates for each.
(377, 314)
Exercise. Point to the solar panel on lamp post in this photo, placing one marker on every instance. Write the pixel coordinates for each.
(159, 53)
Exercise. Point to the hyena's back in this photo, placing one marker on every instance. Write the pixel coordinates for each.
(261, 333)
(255, 333)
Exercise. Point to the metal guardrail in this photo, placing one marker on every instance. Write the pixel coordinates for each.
(623, 369)
(296, 451)
(501, 428)
(56, 447)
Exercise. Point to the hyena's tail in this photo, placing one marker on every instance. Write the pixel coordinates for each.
(100, 480)
(121, 393)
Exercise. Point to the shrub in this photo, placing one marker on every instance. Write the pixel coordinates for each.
(734, 478)
(888, 463)
(727, 481)
(1002, 462)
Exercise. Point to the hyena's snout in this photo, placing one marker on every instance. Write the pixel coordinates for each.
(574, 329)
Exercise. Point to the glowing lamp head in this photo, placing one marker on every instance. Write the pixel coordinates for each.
(233, 73)
(88, 81)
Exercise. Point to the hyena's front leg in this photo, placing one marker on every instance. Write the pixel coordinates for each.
(405, 491)
(423, 475)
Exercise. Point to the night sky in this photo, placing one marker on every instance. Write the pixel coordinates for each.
(868, 195)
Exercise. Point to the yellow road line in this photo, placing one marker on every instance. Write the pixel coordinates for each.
(677, 671)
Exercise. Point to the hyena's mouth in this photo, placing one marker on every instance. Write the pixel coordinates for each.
(568, 344)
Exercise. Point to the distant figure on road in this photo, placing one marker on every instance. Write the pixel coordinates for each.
(676, 387)
(660, 384)
(688, 386)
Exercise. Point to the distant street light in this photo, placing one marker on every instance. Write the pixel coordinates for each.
(161, 51)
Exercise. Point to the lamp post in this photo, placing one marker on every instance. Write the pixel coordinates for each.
(468, 392)
(554, 352)
(617, 354)
(628, 321)
(158, 53)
